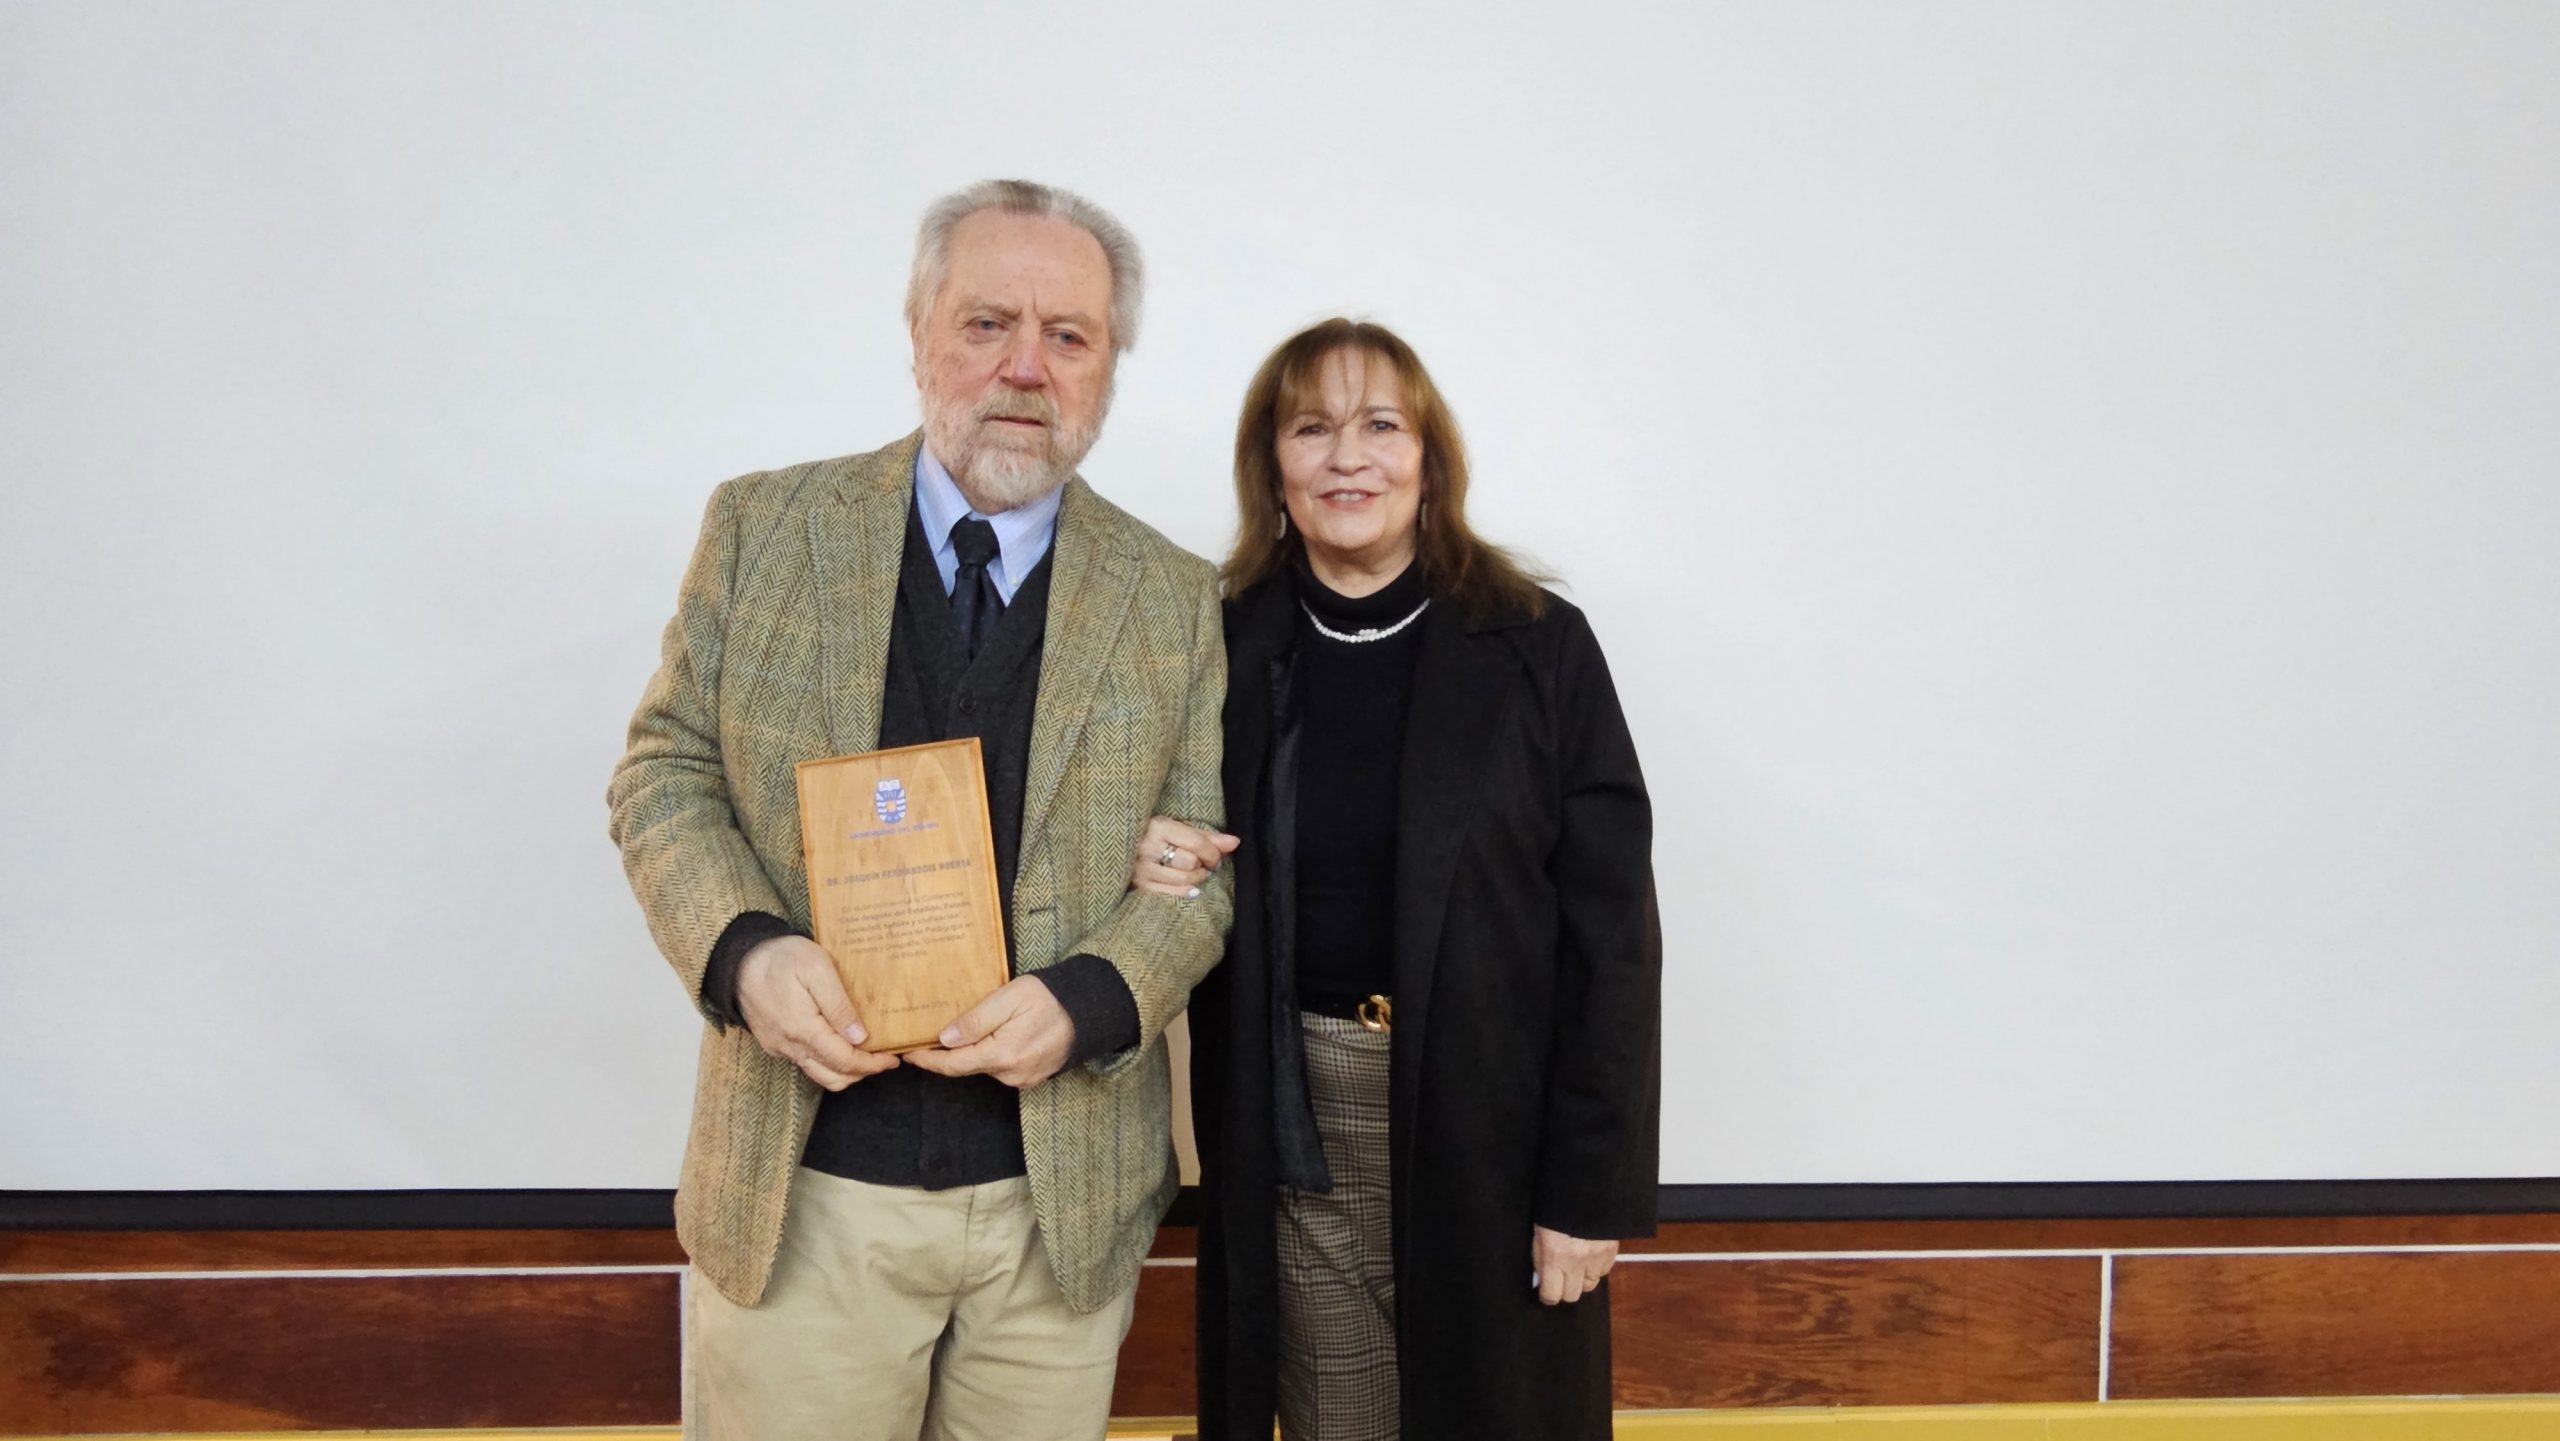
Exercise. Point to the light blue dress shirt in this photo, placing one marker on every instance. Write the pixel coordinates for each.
(1023, 534)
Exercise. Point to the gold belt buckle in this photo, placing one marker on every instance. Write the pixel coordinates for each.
(1376, 1014)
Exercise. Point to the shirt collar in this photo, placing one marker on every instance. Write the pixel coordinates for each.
(1023, 534)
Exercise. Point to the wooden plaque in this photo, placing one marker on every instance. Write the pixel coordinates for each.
(902, 885)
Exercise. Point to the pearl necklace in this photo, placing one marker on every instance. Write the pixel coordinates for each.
(1362, 637)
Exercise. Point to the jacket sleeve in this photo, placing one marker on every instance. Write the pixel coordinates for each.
(1598, 1157)
(1163, 945)
(690, 866)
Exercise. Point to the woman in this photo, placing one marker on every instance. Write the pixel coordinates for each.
(1425, 1080)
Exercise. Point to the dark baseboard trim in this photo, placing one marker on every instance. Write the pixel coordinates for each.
(2003, 1201)
(2109, 1200)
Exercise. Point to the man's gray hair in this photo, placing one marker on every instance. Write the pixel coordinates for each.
(1023, 197)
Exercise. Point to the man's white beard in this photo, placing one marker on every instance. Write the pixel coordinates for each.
(991, 471)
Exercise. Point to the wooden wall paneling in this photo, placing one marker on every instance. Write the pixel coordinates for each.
(1930, 1331)
(256, 1353)
(56, 1252)
(2404, 1324)
(24, 1252)
(1156, 1360)
(576, 1348)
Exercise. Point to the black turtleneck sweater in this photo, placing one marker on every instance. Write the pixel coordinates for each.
(1352, 738)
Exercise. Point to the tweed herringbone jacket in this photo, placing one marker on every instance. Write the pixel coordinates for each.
(776, 655)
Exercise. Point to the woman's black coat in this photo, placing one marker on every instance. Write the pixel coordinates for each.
(1526, 1073)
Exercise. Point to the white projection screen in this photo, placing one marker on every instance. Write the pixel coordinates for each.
(2071, 494)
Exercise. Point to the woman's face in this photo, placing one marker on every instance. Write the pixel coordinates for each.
(1351, 471)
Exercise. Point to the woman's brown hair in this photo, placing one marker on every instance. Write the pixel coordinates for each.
(1458, 566)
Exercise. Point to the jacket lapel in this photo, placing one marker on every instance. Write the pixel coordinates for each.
(1092, 579)
(1460, 696)
(856, 537)
(1258, 630)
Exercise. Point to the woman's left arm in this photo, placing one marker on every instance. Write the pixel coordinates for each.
(1599, 1144)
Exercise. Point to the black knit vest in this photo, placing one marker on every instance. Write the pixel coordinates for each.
(909, 1127)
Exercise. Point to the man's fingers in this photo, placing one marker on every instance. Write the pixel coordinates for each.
(814, 1042)
(966, 1049)
(967, 1061)
(1001, 1056)
(981, 1020)
(988, 1055)
(991, 1058)
(795, 1005)
(865, 1065)
(831, 1079)
(1551, 1286)
(819, 1031)
(1020, 1035)
(842, 1021)
(828, 1049)
(826, 992)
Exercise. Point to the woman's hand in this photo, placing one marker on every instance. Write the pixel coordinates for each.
(1567, 1268)
(1174, 858)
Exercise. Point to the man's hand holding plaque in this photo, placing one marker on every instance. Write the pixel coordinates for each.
(904, 900)
(1020, 1035)
(795, 1005)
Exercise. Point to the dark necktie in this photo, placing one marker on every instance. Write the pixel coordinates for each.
(975, 602)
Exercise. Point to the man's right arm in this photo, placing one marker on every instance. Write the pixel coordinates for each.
(700, 884)
(691, 868)
(728, 957)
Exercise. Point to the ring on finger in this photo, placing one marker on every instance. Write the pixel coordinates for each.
(1165, 857)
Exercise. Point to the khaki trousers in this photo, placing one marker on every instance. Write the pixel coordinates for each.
(896, 1314)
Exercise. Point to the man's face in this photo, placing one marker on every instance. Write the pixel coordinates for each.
(1013, 356)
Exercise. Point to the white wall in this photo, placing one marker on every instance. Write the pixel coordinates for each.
(2069, 492)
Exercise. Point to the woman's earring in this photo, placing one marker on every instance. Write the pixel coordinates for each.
(1284, 525)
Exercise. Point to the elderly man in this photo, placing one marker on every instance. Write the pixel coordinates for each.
(943, 1243)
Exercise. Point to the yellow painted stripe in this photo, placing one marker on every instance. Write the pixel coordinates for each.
(2497, 1419)
(2500, 1419)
